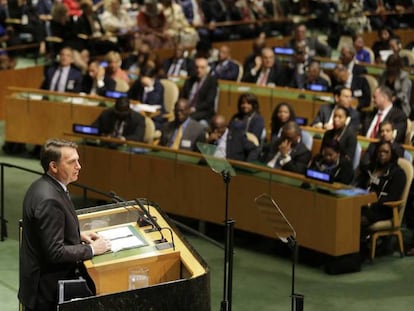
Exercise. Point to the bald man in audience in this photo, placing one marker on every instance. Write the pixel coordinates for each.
(225, 68)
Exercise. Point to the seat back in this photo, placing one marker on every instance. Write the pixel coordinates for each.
(171, 94)
(241, 72)
(307, 139)
(407, 167)
(371, 53)
(357, 156)
(149, 130)
(373, 84)
(408, 132)
(121, 85)
(409, 54)
(408, 156)
(326, 77)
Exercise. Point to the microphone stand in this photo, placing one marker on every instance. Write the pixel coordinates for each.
(228, 250)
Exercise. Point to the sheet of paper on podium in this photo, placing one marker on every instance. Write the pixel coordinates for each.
(121, 238)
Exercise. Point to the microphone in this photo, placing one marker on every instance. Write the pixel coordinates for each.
(162, 243)
(142, 220)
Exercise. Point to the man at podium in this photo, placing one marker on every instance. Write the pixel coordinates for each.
(52, 247)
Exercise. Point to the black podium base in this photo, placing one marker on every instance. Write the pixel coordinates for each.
(343, 264)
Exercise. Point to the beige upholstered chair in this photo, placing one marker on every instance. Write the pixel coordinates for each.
(392, 227)
(251, 137)
(171, 93)
(241, 72)
(409, 54)
(371, 53)
(373, 84)
(151, 135)
(121, 85)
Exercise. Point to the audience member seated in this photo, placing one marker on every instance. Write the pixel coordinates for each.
(342, 133)
(152, 25)
(382, 44)
(396, 47)
(90, 29)
(248, 118)
(148, 90)
(62, 26)
(138, 60)
(313, 46)
(201, 92)
(215, 11)
(288, 152)
(385, 111)
(29, 27)
(351, 17)
(332, 162)
(231, 143)
(282, 114)
(386, 130)
(184, 132)
(359, 85)
(224, 68)
(113, 68)
(361, 53)
(343, 98)
(380, 18)
(121, 122)
(44, 9)
(63, 76)
(267, 70)
(258, 45)
(384, 177)
(347, 58)
(7, 62)
(96, 82)
(311, 79)
(179, 64)
(117, 21)
(398, 81)
(73, 7)
(177, 25)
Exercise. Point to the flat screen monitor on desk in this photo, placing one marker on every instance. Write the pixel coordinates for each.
(318, 175)
(86, 129)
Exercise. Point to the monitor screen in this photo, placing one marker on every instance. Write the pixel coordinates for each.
(284, 51)
(301, 121)
(85, 129)
(317, 87)
(115, 94)
(314, 174)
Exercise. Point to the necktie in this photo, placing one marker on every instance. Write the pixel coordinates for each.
(377, 124)
(263, 79)
(177, 139)
(171, 70)
(56, 86)
(194, 93)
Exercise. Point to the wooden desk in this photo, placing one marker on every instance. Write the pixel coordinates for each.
(175, 272)
(323, 221)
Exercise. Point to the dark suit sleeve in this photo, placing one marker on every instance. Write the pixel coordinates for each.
(399, 120)
(256, 126)
(300, 160)
(394, 187)
(206, 100)
(136, 128)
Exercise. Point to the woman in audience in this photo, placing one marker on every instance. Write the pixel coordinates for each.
(282, 114)
(386, 134)
(331, 161)
(114, 67)
(248, 117)
(399, 82)
(342, 133)
(386, 179)
(382, 44)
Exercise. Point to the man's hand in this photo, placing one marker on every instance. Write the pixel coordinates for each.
(285, 147)
(100, 246)
(89, 236)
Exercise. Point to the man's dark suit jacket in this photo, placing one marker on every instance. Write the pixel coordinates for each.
(206, 97)
(325, 112)
(277, 76)
(300, 156)
(87, 83)
(155, 97)
(229, 70)
(187, 65)
(361, 91)
(134, 128)
(358, 70)
(194, 132)
(51, 246)
(315, 47)
(396, 116)
(73, 83)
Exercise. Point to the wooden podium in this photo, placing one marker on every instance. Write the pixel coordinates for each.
(178, 277)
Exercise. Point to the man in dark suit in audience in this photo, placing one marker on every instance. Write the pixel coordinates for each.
(121, 122)
(358, 85)
(225, 68)
(231, 143)
(96, 82)
(179, 64)
(385, 111)
(201, 91)
(347, 58)
(342, 97)
(63, 77)
(288, 152)
(266, 71)
(311, 79)
(183, 132)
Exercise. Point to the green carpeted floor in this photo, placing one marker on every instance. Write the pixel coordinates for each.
(262, 277)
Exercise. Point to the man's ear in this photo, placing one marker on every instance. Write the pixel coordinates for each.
(53, 166)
